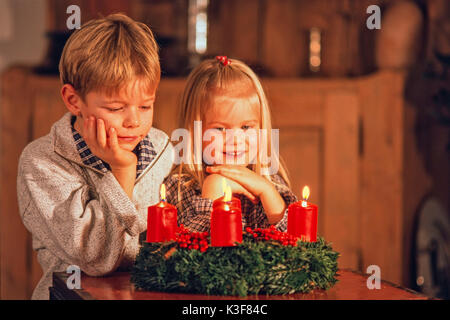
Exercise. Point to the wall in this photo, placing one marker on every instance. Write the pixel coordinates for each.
(22, 40)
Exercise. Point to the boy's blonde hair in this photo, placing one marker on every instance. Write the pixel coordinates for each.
(106, 54)
(211, 79)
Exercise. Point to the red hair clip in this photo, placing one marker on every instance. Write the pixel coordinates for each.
(224, 60)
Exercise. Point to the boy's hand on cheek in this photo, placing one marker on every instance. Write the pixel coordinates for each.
(105, 146)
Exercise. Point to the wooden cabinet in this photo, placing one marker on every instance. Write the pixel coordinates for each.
(348, 139)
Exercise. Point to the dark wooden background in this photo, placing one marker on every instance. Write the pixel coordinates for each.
(352, 122)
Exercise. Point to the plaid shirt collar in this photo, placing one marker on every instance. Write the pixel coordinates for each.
(144, 151)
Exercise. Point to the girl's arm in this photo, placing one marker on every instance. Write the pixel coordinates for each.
(273, 203)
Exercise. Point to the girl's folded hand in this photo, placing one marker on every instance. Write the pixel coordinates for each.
(213, 188)
(248, 179)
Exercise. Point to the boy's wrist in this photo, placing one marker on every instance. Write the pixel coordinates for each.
(126, 176)
(127, 173)
(124, 168)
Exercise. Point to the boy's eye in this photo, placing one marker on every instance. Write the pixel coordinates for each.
(114, 109)
(220, 129)
(146, 107)
(246, 127)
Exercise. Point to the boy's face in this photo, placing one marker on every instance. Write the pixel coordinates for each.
(129, 112)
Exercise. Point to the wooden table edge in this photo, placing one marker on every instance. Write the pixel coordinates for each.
(420, 295)
(60, 291)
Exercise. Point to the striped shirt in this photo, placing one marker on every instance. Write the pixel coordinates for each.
(144, 151)
(194, 212)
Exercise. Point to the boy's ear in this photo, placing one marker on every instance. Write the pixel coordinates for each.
(71, 99)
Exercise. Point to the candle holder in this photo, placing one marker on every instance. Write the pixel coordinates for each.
(226, 221)
(162, 220)
(302, 218)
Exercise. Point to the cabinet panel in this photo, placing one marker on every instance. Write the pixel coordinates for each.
(320, 141)
(302, 151)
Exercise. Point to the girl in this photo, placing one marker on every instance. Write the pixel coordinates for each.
(226, 96)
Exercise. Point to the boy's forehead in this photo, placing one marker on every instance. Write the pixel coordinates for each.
(127, 91)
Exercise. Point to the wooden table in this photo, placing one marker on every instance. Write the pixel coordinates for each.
(117, 286)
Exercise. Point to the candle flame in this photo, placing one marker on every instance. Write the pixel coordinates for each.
(163, 192)
(305, 193)
(227, 196)
(224, 185)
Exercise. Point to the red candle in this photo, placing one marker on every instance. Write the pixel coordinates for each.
(226, 221)
(302, 219)
(161, 220)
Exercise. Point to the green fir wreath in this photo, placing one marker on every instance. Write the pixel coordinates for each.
(266, 262)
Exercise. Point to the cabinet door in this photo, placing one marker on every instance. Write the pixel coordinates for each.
(319, 143)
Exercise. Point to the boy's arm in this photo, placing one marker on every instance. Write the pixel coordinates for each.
(126, 177)
(81, 226)
(106, 147)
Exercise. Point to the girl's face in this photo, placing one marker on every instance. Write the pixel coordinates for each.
(236, 120)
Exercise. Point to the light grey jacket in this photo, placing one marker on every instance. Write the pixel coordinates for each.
(78, 215)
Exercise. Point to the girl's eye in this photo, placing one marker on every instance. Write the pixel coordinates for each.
(220, 129)
(246, 127)
(146, 107)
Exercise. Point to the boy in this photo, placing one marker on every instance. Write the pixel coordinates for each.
(84, 189)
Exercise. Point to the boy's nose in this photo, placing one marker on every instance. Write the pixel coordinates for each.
(132, 120)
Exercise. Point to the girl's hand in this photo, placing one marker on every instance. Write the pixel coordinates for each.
(213, 188)
(260, 187)
(250, 180)
(106, 147)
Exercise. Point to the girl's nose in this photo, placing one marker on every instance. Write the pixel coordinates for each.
(132, 119)
(234, 136)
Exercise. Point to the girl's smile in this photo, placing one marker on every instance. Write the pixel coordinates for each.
(226, 115)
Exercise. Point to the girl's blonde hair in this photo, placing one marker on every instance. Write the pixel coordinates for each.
(210, 79)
